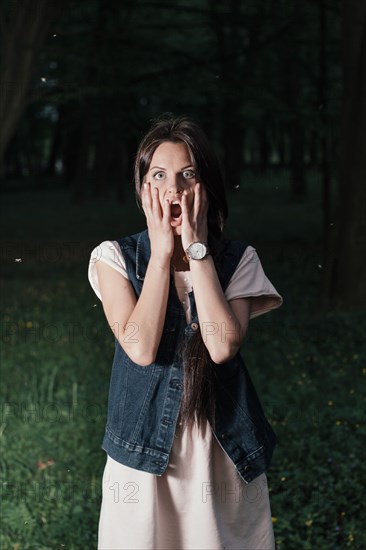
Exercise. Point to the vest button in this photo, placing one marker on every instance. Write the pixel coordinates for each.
(224, 435)
(247, 468)
(194, 326)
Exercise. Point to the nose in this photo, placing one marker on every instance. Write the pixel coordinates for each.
(174, 186)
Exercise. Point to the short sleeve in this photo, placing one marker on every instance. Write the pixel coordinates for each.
(248, 280)
(110, 253)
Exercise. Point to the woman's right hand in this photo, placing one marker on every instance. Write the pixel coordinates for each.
(158, 224)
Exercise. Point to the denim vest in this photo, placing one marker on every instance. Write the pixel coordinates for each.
(144, 401)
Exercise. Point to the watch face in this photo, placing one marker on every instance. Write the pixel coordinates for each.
(197, 251)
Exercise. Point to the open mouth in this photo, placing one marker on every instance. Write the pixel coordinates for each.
(175, 210)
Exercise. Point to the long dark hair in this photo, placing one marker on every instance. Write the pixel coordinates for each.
(198, 402)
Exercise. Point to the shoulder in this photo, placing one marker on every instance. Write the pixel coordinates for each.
(104, 250)
(107, 252)
(227, 255)
(230, 247)
(249, 256)
(133, 241)
(249, 263)
(250, 280)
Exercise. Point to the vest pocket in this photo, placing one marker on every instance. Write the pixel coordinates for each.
(227, 370)
(141, 369)
(166, 349)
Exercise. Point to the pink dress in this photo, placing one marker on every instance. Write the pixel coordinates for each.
(200, 502)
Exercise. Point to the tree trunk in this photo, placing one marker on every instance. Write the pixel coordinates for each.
(345, 260)
(70, 139)
(282, 146)
(54, 150)
(293, 86)
(295, 128)
(264, 144)
(297, 165)
(322, 86)
(103, 147)
(119, 168)
(233, 140)
(81, 175)
(23, 31)
(313, 149)
(229, 47)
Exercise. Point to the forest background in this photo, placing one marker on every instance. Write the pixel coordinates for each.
(279, 87)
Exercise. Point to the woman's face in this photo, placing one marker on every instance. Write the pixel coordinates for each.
(172, 172)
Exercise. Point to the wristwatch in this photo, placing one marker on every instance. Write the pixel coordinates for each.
(197, 251)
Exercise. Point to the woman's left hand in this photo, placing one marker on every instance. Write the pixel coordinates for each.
(194, 219)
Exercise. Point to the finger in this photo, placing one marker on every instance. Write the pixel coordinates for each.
(184, 206)
(166, 211)
(156, 203)
(146, 198)
(197, 201)
(204, 200)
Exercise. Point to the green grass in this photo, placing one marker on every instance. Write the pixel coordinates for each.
(308, 366)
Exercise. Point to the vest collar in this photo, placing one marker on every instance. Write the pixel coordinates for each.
(143, 253)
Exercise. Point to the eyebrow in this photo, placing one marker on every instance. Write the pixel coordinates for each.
(161, 168)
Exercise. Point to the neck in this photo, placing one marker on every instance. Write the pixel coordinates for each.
(178, 259)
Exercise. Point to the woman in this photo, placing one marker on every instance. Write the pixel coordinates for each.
(186, 439)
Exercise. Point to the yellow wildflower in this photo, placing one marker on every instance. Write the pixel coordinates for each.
(309, 523)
